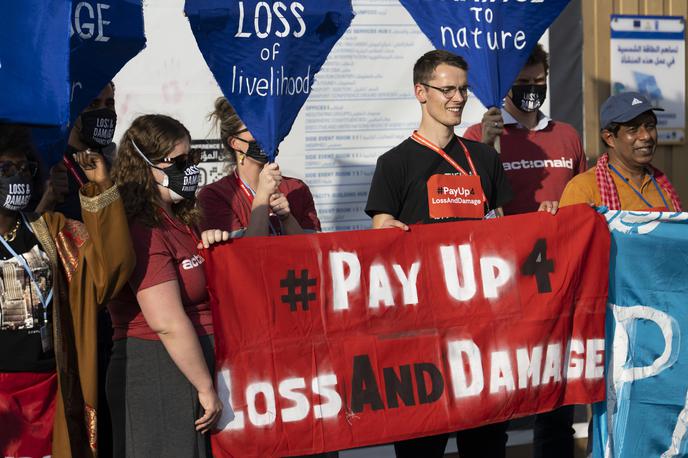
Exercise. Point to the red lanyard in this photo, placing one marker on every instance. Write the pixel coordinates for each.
(75, 173)
(171, 221)
(428, 144)
(248, 192)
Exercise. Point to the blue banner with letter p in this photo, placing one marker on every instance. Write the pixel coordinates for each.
(646, 412)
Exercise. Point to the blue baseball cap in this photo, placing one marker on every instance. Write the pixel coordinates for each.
(623, 107)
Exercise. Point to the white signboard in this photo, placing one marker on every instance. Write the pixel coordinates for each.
(648, 56)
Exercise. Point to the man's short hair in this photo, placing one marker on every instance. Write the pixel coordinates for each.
(614, 127)
(538, 56)
(428, 62)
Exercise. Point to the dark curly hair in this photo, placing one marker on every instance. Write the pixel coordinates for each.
(156, 136)
(538, 56)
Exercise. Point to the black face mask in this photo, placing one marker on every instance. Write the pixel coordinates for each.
(254, 151)
(181, 182)
(528, 97)
(15, 192)
(98, 127)
(181, 179)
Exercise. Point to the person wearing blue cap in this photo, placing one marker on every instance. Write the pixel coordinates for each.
(624, 178)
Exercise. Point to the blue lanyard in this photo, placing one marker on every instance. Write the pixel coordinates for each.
(253, 193)
(26, 267)
(625, 180)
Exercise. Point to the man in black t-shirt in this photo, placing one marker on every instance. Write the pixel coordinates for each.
(399, 193)
(434, 176)
(399, 187)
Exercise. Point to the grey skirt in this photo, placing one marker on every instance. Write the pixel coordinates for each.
(152, 405)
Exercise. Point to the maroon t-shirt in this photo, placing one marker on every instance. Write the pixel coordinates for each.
(162, 254)
(226, 207)
(538, 163)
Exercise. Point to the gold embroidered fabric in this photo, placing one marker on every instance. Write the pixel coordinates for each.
(40, 229)
(91, 425)
(76, 231)
(72, 236)
(69, 254)
(42, 232)
(102, 200)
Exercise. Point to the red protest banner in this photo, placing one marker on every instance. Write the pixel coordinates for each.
(332, 341)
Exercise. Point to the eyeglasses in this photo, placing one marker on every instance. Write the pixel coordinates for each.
(244, 140)
(450, 91)
(183, 160)
(236, 135)
(10, 168)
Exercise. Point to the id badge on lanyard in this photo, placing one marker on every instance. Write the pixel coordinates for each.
(454, 196)
(46, 330)
(249, 193)
(46, 337)
(650, 207)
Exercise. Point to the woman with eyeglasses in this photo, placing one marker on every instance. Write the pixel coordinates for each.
(159, 384)
(53, 274)
(254, 199)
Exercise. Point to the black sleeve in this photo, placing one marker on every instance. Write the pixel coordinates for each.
(385, 195)
(500, 184)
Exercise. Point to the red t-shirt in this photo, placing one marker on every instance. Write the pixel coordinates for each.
(162, 254)
(538, 163)
(226, 207)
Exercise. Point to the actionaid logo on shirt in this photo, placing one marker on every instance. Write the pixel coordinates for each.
(562, 163)
(193, 262)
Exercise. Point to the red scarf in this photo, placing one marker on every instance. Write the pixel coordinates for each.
(609, 194)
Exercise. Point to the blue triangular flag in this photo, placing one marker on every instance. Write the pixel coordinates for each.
(34, 61)
(495, 38)
(264, 55)
(105, 36)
